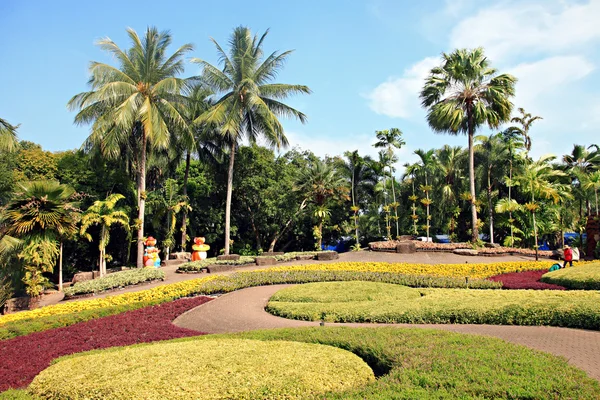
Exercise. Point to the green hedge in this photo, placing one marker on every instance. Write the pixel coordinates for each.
(207, 369)
(385, 303)
(236, 281)
(115, 280)
(585, 277)
(197, 266)
(421, 364)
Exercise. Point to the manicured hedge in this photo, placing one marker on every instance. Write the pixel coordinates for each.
(208, 369)
(73, 312)
(22, 358)
(425, 364)
(115, 280)
(525, 280)
(197, 266)
(385, 303)
(586, 277)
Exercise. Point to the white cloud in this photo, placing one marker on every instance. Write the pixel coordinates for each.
(399, 97)
(519, 28)
(543, 77)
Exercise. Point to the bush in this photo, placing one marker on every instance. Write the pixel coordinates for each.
(197, 266)
(16, 395)
(586, 277)
(208, 369)
(71, 313)
(385, 303)
(115, 280)
(417, 364)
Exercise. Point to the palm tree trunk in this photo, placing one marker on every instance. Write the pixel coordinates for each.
(512, 238)
(141, 188)
(184, 191)
(228, 200)
(354, 206)
(320, 241)
(427, 197)
(60, 268)
(395, 207)
(535, 229)
(474, 229)
(596, 193)
(491, 212)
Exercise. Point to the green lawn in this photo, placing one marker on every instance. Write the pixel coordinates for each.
(409, 363)
(586, 277)
(389, 303)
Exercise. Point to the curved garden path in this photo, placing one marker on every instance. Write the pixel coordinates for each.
(243, 310)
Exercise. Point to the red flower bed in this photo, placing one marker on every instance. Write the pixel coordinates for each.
(524, 280)
(23, 357)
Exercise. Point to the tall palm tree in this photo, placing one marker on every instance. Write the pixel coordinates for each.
(426, 166)
(389, 140)
(105, 214)
(410, 173)
(539, 178)
(462, 94)
(134, 105)
(353, 167)
(8, 136)
(385, 160)
(578, 165)
(514, 141)
(592, 181)
(321, 184)
(249, 105)
(525, 120)
(493, 153)
(41, 214)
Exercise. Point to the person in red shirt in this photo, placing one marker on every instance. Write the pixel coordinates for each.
(568, 256)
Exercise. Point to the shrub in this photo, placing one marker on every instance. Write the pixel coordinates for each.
(70, 313)
(143, 325)
(524, 280)
(426, 364)
(385, 303)
(586, 277)
(209, 369)
(115, 280)
(197, 266)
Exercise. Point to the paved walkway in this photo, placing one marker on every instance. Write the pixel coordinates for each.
(243, 310)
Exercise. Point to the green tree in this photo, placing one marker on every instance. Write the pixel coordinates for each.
(391, 139)
(525, 120)
(513, 140)
(250, 105)
(462, 94)
(105, 214)
(426, 165)
(41, 214)
(321, 184)
(592, 181)
(134, 105)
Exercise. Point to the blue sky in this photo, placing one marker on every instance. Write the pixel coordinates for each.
(364, 60)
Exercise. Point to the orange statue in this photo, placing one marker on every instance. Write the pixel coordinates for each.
(199, 249)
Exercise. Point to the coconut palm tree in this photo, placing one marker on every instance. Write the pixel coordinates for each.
(250, 104)
(41, 214)
(389, 140)
(134, 105)
(463, 93)
(321, 184)
(8, 136)
(539, 179)
(105, 214)
(525, 120)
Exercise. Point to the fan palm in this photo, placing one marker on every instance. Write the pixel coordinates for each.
(41, 214)
(389, 140)
(8, 136)
(249, 105)
(462, 94)
(105, 214)
(134, 105)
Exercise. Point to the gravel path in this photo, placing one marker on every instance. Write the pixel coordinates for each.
(243, 310)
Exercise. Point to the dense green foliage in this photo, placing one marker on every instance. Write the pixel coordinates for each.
(383, 302)
(425, 364)
(206, 369)
(115, 280)
(586, 277)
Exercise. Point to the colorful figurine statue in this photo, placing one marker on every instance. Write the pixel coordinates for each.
(151, 258)
(199, 249)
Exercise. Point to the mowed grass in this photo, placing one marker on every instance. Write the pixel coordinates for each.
(207, 369)
(409, 363)
(389, 303)
(585, 277)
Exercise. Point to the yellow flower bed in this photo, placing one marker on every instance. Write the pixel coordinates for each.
(157, 294)
(475, 270)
